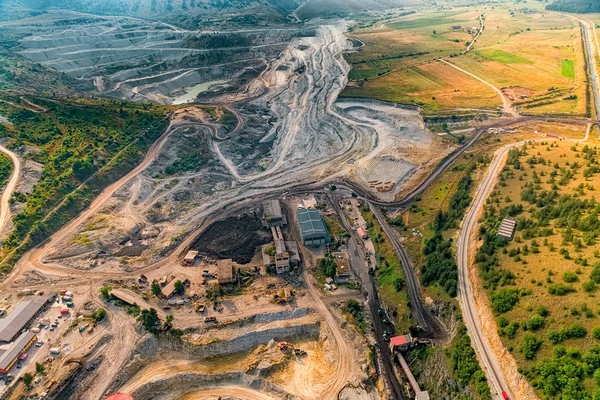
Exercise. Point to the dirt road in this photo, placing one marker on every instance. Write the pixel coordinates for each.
(508, 108)
(226, 392)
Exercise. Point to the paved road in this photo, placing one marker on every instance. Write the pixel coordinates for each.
(480, 342)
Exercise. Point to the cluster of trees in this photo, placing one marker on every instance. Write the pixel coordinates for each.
(440, 265)
(562, 375)
(357, 313)
(575, 6)
(328, 266)
(465, 365)
(77, 144)
(505, 299)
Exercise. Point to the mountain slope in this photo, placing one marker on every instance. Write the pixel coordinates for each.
(575, 6)
(151, 9)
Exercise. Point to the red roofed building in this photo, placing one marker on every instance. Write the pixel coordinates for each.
(362, 233)
(400, 343)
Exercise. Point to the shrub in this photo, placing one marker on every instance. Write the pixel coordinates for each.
(589, 286)
(560, 289)
(543, 311)
(577, 331)
(570, 277)
(534, 323)
(595, 274)
(596, 332)
(531, 344)
(504, 300)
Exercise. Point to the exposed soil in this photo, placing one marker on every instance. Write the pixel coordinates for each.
(236, 238)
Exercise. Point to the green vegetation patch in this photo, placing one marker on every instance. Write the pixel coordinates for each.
(390, 275)
(83, 146)
(425, 22)
(568, 69)
(465, 364)
(575, 6)
(6, 168)
(503, 57)
(360, 74)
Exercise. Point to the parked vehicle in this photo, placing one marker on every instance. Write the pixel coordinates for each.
(210, 319)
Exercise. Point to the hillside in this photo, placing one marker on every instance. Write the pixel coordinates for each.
(186, 12)
(575, 6)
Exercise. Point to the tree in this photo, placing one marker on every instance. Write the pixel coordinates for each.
(27, 379)
(39, 368)
(105, 291)
(99, 315)
(168, 322)
(156, 289)
(82, 169)
(434, 32)
(149, 319)
(179, 288)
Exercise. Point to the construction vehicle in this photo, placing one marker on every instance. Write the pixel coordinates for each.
(299, 352)
(284, 346)
(199, 307)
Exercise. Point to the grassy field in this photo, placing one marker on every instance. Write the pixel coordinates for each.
(434, 86)
(539, 53)
(535, 53)
(543, 285)
(503, 57)
(568, 68)
(404, 50)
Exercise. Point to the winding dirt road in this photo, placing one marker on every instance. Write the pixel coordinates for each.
(508, 108)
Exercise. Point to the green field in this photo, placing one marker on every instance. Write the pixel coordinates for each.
(568, 68)
(425, 22)
(360, 74)
(504, 57)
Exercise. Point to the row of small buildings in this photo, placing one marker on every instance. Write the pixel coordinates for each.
(13, 330)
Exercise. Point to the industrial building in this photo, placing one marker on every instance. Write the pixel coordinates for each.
(21, 316)
(18, 347)
(272, 214)
(507, 228)
(280, 255)
(312, 227)
(225, 271)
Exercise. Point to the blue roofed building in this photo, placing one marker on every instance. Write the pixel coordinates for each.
(312, 227)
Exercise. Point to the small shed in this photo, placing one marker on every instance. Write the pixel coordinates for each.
(190, 258)
(507, 228)
(225, 271)
(401, 343)
(362, 233)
